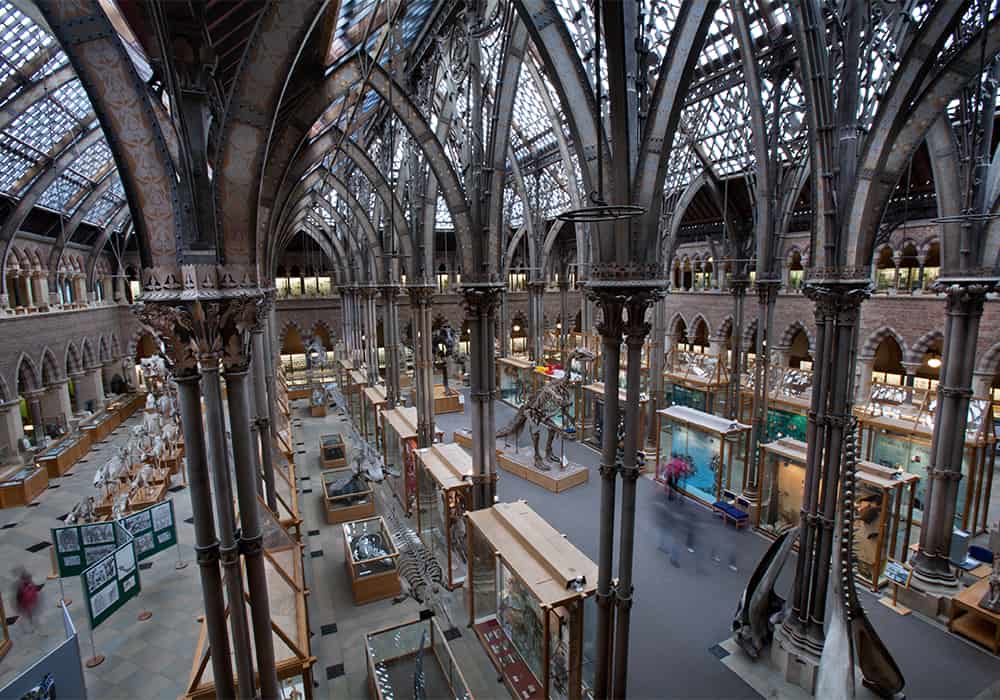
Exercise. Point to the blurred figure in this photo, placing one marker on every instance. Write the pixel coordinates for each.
(27, 595)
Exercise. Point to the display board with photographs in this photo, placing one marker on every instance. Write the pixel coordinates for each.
(153, 528)
(111, 582)
(80, 546)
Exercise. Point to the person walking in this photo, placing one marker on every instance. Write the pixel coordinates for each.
(27, 595)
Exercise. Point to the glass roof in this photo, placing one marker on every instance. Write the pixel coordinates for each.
(43, 129)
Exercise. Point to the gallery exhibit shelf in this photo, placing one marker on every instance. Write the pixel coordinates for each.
(463, 437)
(60, 456)
(447, 402)
(332, 453)
(696, 380)
(529, 593)
(973, 622)
(371, 423)
(20, 485)
(346, 496)
(444, 493)
(370, 559)
(394, 653)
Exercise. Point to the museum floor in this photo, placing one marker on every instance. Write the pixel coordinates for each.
(682, 612)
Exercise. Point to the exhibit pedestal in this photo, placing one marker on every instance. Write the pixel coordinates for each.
(317, 411)
(463, 437)
(520, 462)
(447, 403)
(935, 604)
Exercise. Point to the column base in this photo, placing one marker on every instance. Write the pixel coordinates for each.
(795, 659)
(929, 598)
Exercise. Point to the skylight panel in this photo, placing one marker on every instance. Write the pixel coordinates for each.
(73, 99)
(58, 194)
(442, 217)
(94, 161)
(42, 125)
(101, 211)
(20, 39)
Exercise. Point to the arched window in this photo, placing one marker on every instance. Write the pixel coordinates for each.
(888, 366)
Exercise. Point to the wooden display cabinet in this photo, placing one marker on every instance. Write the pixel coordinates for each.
(591, 417)
(59, 457)
(398, 453)
(390, 654)
(341, 504)
(332, 452)
(371, 423)
(447, 403)
(444, 492)
(20, 485)
(529, 592)
(370, 558)
(356, 384)
(516, 380)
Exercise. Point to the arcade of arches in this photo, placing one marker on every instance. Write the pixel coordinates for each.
(542, 326)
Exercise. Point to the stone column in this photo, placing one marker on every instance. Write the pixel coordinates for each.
(24, 287)
(34, 399)
(910, 369)
(657, 351)
(172, 326)
(564, 320)
(964, 310)
(921, 261)
(390, 326)
(90, 388)
(837, 310)
(40, 290)
(480, 311)
(11, 428)
(536, 319)
(864, 383)
(56, 403)
(981, 384)
(229, 549)
(371, 334)
(108, 373)
(76, 401)
(423, 378)
(504, 324)
(239, 317)
(610, 329)
(636, 329)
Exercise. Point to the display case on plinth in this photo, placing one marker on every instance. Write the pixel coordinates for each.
(371, 423)
(444, 492)
(463, 437)
(332, 453)
(516, 380)
(696, 380)
(398, 454)
(897, 424)
(530, 601)
(20, 485)
(286, 592)
(972, 621)
(789, 392)
(447, 401)
(317, 402)
(414, 654)
(883, 506)
(371, 560)
(352, 392)
(700, 454)
(344, 367)
(591, 422)
(60, 456)
(347, 495)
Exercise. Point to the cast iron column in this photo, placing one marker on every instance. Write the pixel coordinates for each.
(767, 292)
(564, 320)
(390, 327)
(371, 335)
(236, 359)
(636, 330)
(536, 319)
(480, 311)
(958, 358)
(229, 550)
(420, 311)
(838, 305)
(657, 398)
(739, 292)
(610, 329)
(262, 418)
(504, 324)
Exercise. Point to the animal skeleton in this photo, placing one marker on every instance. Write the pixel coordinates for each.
(83, 512)
(539, 410)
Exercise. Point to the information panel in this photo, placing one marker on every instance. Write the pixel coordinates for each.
(110, 583)
(154, 529)
(80, 546)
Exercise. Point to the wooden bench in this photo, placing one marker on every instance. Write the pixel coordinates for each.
(731, 514)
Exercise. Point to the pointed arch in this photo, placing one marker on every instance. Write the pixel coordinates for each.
(922, 346)
(27, 377)
(876, 338)
(50, 368)
(73, 362)
(87, 353)
(103, 355)
(793, 329)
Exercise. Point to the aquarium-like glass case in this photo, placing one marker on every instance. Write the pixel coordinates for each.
(413, 655)
(371, 560)
(532, 612)
(516, 380)
(444, 493)
(700, 454)
(591, 421)
(347, 495)
(896, 426)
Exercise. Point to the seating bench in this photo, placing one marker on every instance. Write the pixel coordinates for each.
(731, 514)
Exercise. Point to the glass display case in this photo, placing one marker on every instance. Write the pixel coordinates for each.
(398, 453)
(591, 419)
(883, 506)
(531, 603)
(286, 593)
(696, 380)
(567, 420)
(403, 657)
(356, 383)
(332, 452)
(287, 492)
(59, 457)
(897, 425)
(343, 369)
(789, 392)
(444, 493)
(700, 454)
(347, 495)
(20, 485)
(516, 380)
(370, 557)
(371, 423)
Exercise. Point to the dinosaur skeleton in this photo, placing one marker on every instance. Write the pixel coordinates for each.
(539, 410)
(850, 634)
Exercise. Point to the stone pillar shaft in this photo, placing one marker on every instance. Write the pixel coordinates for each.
(390, 325)
(536, 319)
(480, 312)
(766, 296)
(262, 418)
(420, 311)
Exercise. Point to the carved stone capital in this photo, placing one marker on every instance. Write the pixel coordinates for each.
(420, 295)
(480, 301)
(964, 299)
(840, 301)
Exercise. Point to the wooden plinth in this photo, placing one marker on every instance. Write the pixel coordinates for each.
(21, 492)
(462, 438)
(444, 403)
(971, 621)
(346, 514)
(557, 480)
(303, 393)
(61, 463)
(318, 411)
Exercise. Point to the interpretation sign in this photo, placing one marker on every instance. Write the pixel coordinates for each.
(112, 581)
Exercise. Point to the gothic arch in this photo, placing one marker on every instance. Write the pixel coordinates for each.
(917, 351)
(103, 355)
(789, 336)
(990, 362)
(73, 362)
(50, 368)
(87, 353)
(27, 377)
(876, 338)
(700, 318)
